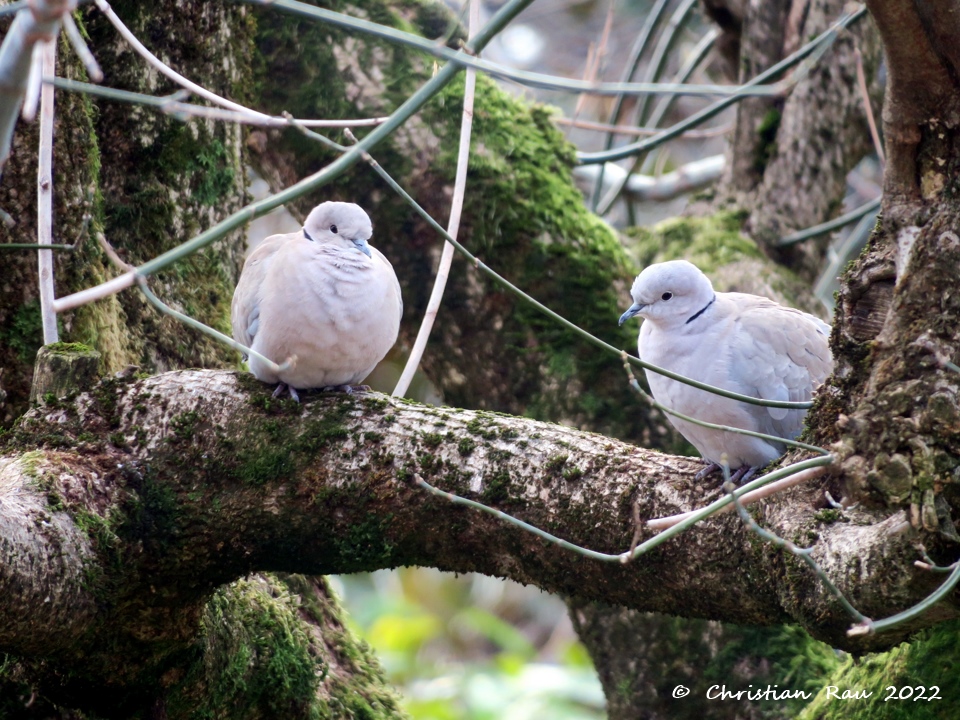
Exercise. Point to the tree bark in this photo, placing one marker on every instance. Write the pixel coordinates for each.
(189, 480)
(790, 157)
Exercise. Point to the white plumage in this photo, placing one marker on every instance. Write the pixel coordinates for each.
(744, 343)
(321, 294)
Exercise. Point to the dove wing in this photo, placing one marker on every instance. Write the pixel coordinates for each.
(245, 309)
(778, 353)
(386, 269)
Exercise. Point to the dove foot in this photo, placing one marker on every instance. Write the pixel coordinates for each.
(710, 468)
(349, 389)
(741, 476)
(282, 387)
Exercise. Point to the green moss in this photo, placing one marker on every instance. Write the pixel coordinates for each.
(556, 463)
(259, 660)
(261, 466)
(106, 397)
(432, 439)
(709, 242)
(829, 515)
(496, 490)
(150, 511)
(767, 130)
(184, 424)
(366, 546)
(927, 661)
(24, 334)
(69, 348)
(466, 446)
(478, 426)
(358, 689)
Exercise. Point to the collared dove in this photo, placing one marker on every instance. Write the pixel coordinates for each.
(321, 295)
(744, 343)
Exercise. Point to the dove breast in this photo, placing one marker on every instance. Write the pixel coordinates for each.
(335, 309)
(747, 344)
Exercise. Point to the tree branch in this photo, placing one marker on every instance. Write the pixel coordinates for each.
(185, 481)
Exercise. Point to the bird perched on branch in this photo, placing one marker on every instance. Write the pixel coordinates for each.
(321, 302)
(743, 343)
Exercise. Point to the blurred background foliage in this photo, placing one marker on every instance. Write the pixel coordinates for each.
(473, 647)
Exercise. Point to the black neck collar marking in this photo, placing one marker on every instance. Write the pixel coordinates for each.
(699, 312)
(307, 235)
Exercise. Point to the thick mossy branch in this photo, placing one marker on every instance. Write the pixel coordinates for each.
(186, 481)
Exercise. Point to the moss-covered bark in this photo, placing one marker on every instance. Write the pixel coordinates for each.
(147, 181)
(642, 657)
(277, 646)
(914, 681)
(790, 156)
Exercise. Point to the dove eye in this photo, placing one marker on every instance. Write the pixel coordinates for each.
(333, 229)
(666, 296)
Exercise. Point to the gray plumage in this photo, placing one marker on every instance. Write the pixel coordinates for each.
(744, 343)
(321, 294)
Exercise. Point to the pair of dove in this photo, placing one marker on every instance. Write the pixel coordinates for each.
(324, 297)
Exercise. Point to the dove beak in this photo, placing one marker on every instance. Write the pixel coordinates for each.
(631, 311)
(362, 246)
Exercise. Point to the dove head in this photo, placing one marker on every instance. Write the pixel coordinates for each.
(338, 223)
(670, 293)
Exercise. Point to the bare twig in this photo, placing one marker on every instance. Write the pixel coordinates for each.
(453, 224)
(747, 498)
(595, 55)
(636, 551)
(38, 23)
(867, 106)
(814, 48)
(31, 95)
(653, 72)
(830, 225)
(45, 199)
(872, 626)
(640, 131)
(174, 106)
(699, 54)
(529, 79)
(199, 90)
(80, 48)
(31, 246)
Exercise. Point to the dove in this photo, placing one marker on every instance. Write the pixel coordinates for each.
(744, 343)
(321, 298)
